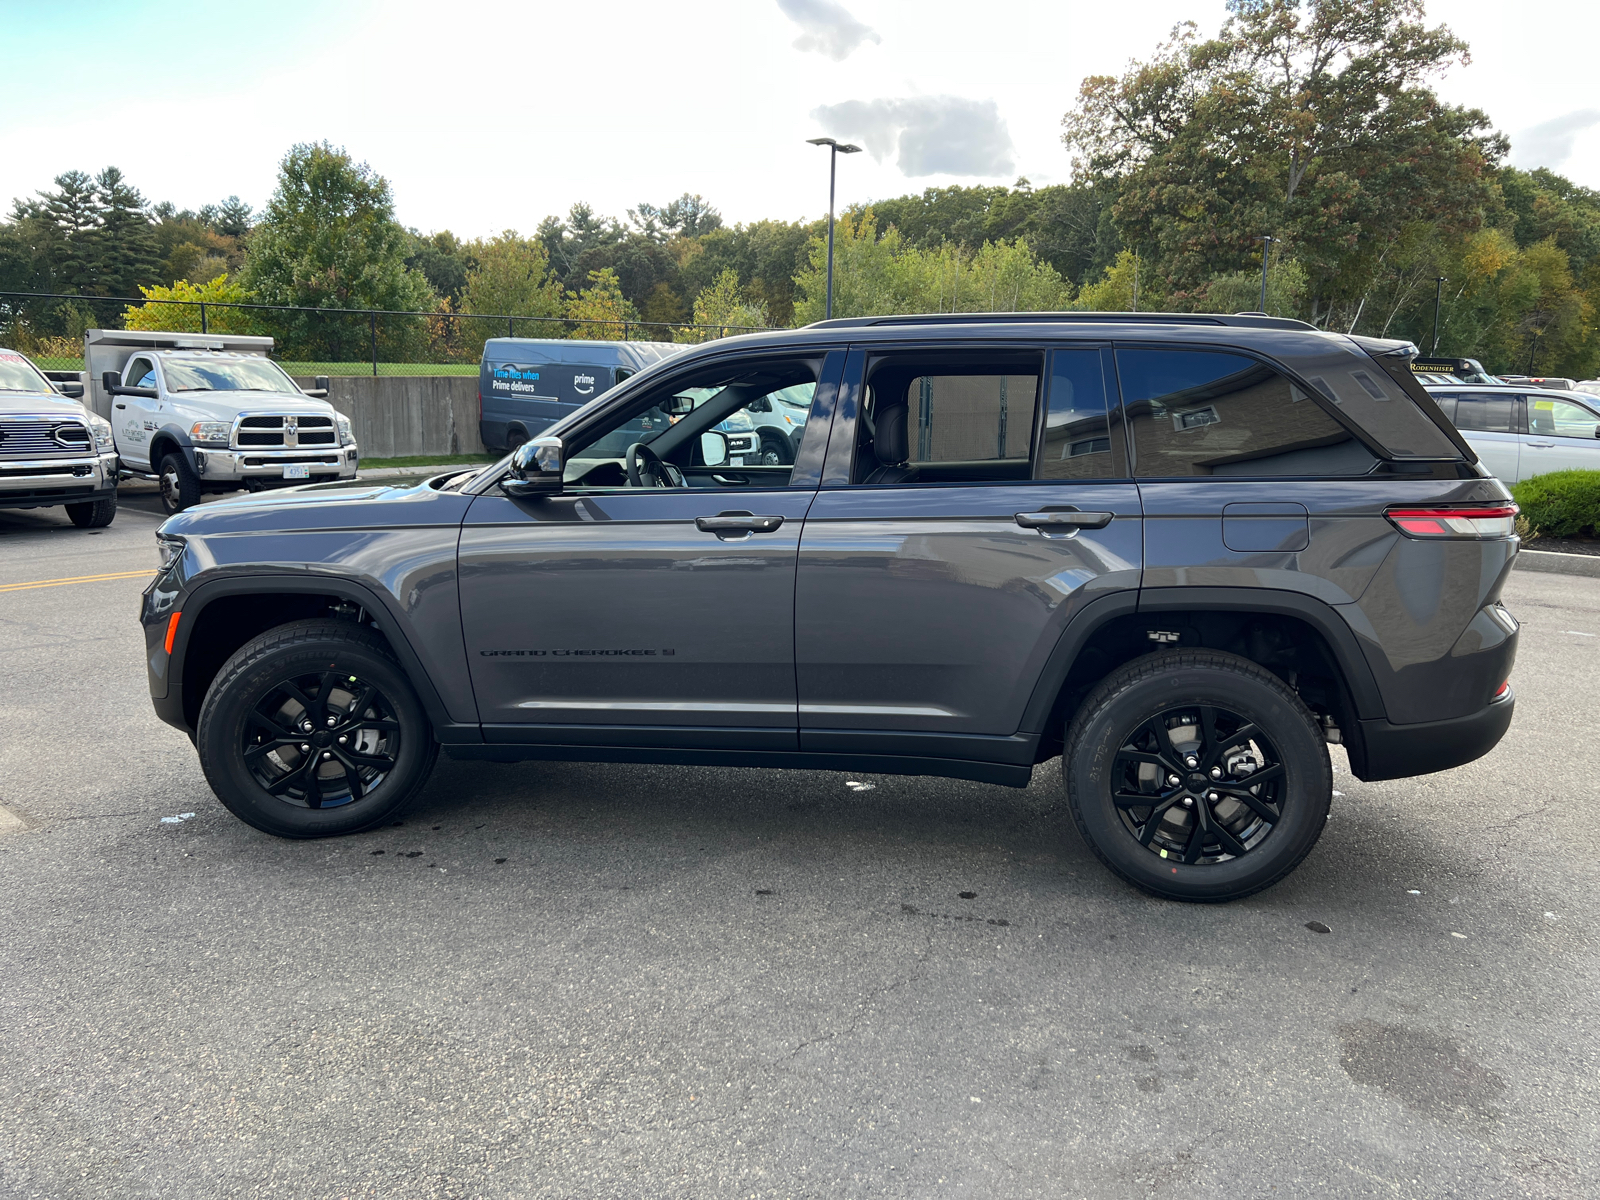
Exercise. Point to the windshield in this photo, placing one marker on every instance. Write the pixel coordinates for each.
(17, 374)
(226, 375)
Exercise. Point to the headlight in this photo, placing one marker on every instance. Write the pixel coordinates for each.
(171, 549)
(345, 436)
(211, 433)
(101, 428)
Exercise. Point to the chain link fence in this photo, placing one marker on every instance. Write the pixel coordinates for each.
(49, 326)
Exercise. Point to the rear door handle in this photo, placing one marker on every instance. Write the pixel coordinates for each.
(1076, 520)
(1540, 445)
(737, 522)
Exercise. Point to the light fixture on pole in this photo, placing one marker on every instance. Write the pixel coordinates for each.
(834, 150)
(1438, 295)
(1266, 254)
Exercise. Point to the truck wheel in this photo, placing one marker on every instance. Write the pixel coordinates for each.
(1197, 775)
(180, 486)
(94, 514)
(312, 730)
(515, 436)
(775, 451)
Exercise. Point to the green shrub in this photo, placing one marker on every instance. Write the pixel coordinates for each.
(1562, 503)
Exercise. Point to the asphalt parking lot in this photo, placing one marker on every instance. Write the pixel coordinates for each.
(604, 981)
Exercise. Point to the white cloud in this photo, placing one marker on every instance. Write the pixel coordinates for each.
(827, 28)
(931, 135)
(1550, 144)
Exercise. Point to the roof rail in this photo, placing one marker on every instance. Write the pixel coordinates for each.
(1248, 320)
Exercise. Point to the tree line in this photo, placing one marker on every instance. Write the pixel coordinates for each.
(1303, 132)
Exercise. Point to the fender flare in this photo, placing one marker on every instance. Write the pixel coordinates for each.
(1095, 615)
(204, 594)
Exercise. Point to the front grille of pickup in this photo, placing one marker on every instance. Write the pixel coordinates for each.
(275, 433)
(35, 436)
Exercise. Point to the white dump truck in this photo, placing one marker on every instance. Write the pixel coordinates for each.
(202, 413)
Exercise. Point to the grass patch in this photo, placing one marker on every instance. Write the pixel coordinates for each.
(430, 460)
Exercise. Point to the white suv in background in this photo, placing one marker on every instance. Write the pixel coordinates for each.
(1521, 432)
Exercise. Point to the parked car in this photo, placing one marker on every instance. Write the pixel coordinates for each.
(204, 414)
(1181, 552)
(1518, 433)
(527, 384)
(1592, 386)
(53, 451)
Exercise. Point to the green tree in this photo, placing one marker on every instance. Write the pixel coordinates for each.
(66, 230)
(127, 256)
(185, 318)
(601, 302)
(1306, 119)
(511, 278)
(328, 239)
(724, 304)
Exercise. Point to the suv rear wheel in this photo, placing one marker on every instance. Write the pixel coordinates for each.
(1197, 775)
(312, 729)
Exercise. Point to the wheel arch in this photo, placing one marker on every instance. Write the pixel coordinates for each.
(224, 614)
(1299, 638)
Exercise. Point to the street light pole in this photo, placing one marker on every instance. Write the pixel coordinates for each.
(1266, 253)
(834, 150)
(1438, 293)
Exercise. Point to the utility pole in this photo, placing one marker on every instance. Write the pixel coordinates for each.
(834, 150)
(1266, 254)
(1438, 294)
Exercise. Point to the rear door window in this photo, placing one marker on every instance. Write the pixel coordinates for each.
(1561, 418)
(1486, 414)
(1079, 439)
(1203, 412)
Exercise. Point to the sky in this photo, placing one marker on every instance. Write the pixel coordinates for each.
(487, 115)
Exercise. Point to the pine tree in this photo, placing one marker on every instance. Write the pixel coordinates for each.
(127, 255)
(72, 215)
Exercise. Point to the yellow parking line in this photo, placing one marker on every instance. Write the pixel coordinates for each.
(44, 583)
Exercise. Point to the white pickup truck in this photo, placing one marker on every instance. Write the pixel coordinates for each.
(53, 451)
(204, 413)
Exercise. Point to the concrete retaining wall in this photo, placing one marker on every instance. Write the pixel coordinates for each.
(396, 416)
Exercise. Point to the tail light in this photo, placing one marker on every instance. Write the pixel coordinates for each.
(1502, 689)
(1474, 521)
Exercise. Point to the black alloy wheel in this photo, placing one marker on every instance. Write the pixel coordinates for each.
(1197, 775)
(321, 740)
(312, 729)
(1198, 784)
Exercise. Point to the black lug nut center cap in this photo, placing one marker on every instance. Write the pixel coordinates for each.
(322, 737)
(1198, 781)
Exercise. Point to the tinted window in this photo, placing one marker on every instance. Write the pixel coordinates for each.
(1486, 414)
(1078, 437)
(141, 374)
(971, 418)
(568, 383)
(1207, 413)
(1561, 418)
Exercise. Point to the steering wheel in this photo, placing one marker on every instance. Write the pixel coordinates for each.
(642, 461)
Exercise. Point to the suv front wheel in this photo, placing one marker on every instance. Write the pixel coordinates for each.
(1197, 775)
(312, 729)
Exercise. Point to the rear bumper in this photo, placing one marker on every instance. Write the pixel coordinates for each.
(1389, 751)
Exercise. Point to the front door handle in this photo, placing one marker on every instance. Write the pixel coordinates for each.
(737, 522)
(1075, 520)
(1540, 445)
(122, 406)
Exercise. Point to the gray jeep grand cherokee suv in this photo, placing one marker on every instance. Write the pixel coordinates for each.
(1181, 552)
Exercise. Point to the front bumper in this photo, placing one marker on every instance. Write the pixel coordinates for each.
(1388, 751)
(238, 466)
(47, 482)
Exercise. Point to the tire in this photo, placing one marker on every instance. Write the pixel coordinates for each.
(250, 731)
(1120, 746)
(180, 486)
(94, 514)
(775, 451)
(516, 435)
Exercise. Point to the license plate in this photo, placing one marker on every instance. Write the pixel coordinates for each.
(736, 461)
(297, 471)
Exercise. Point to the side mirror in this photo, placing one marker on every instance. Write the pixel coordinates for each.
(320, 381)
(112, 382)
(759, 404)
(714, 447)
(318, 388)
(74, 390)
(536, 469)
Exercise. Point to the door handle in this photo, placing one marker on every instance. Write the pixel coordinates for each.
(122, 406)
(737, 522)
(1540, 445)
(1075, 520)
